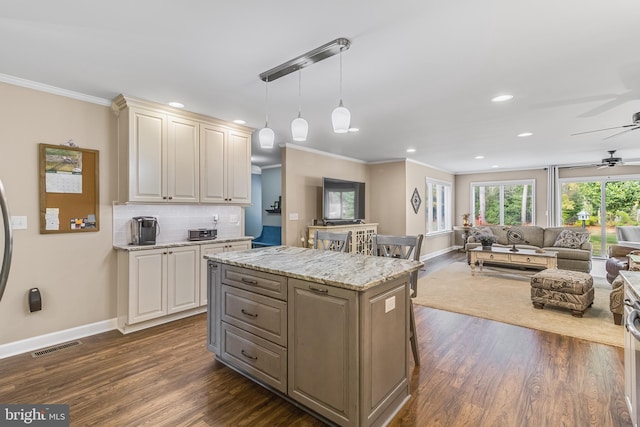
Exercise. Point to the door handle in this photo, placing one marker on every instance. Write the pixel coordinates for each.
(8, 240)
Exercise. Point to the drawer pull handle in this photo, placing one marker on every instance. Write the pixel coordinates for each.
(528, 259)
(248, 314)
(321, 290)
(249, 281)
(248, 356)
(491, 256)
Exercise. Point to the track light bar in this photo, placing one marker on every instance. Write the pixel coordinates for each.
(306, 59)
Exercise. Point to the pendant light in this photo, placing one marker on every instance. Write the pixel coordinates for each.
(266, 135)
(341, 117)
(299, 126)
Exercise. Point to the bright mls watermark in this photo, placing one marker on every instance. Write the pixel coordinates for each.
(34, 415)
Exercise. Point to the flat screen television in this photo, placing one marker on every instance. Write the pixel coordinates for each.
(342, 201)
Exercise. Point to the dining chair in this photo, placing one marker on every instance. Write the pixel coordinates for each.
(405, 247)
(328, 241)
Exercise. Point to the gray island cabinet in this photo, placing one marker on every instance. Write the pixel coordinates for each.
(327, 331)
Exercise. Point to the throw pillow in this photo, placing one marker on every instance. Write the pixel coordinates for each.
(571, 239)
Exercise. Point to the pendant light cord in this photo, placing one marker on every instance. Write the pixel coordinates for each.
(341, 76)
(266, 102)
(299, 92)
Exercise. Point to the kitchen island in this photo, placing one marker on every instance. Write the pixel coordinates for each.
(327, 331)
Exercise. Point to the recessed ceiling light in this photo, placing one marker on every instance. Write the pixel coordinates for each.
(524, 134)
(494, 166)
(502, 98)
(354, 129)
(176, 104)
(479, 157)
(239, 122)
(411, 150)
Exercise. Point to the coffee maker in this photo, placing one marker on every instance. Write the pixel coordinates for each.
(144, 230)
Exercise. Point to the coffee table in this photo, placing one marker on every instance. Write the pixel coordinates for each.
(504, 256)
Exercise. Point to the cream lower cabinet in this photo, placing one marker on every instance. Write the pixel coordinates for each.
(215, 248)
(156, 286)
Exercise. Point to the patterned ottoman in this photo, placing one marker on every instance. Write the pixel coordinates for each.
(562, 288)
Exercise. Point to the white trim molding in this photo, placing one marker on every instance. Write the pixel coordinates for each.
(17, 81)
(47, 340)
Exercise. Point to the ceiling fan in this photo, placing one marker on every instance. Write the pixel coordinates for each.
(635, 119)
(609, 162)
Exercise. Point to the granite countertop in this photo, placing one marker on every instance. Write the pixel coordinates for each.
(181, 243)
(344, 270)
(632, 278)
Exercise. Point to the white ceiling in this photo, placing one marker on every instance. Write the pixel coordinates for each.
(419, 73)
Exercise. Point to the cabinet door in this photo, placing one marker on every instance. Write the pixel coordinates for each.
(323, 359)
(147, 156)
(238, 174)
(212, 140)
(147, 285)
(183, 178)
(183, 273)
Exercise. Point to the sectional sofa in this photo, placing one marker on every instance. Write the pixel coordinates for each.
(573, 246)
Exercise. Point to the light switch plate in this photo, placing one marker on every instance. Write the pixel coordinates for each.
(293, 216)
(19, 222)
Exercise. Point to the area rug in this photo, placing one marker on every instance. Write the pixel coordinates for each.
(506, 297)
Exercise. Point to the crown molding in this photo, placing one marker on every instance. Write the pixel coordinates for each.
(17, 81)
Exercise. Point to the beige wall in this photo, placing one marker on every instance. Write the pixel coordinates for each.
(389, 187)
(75, 272)
(416, 176)
(302, 172)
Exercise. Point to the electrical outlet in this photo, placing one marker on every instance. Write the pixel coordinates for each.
(215, 217)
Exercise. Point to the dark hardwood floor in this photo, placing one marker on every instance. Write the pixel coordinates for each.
(473, 372)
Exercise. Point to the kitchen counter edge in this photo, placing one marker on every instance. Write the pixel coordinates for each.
(131, 248)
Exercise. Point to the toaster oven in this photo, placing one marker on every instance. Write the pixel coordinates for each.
(203, 234)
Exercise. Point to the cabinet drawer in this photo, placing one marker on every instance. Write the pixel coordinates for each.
(271, 285)
(260, 315)
(526, 259)
(260, 358)
(491, 256)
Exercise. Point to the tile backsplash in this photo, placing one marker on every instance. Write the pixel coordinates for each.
(175, 220)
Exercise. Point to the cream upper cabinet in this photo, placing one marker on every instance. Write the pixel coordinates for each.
(183, 180)
(239, 167)
(225, 165)
(147, 156)
(212, 180)
(166, 155)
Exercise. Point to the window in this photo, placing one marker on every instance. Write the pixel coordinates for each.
(438, 206)
(503, 203)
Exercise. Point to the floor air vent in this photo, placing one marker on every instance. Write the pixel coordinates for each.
(55, 348)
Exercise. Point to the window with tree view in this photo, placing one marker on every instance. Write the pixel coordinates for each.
(503, 203)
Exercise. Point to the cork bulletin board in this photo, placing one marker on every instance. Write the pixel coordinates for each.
(69, 189)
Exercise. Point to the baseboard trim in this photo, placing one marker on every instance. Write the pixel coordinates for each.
(438, 253)
(47, 340)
